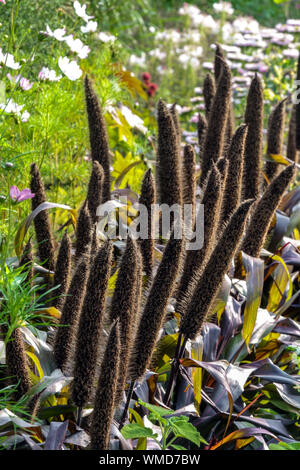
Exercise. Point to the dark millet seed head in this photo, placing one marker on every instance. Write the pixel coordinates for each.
(292, 153)
(84, 232)
(214, 139)
(213, 274)
(209, 91)
(62, 271)
(94, 195)
(104, 404)
(98, 136)
(195, 259)
(148, 198)
(254, 140)
(201, 130)
(41, 221)
(275, 139)
(65, 334)
(155, 308)
(298, 110)
(219, 61)
(264, 210)
(17, 363)
(169, 165)
(90, 326)
(233, 185)
(123, 306)
(189, 178)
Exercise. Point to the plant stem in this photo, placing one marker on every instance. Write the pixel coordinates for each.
(129, 396)
(174, 369)
(79, 416)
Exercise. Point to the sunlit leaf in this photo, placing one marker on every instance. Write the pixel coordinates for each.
(254, 268)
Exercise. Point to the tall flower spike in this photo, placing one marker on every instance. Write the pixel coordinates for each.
(209, 91)
(84, 232)
(292, 153)
(214, 141)
(169, 168)
(218, 65)
(148, 199)
(98, 136)
(155, 308)
(123, 307)
(275, 138)
(254, 140)
(65, 334)
(176, 123)
(219, 61)
(104, 405)
(17, 363)
(90, 326)
(264, 210)
(94, 195)
(298, 109)
(41, 221)
(189, 179)
(233, 184)
(62, 271)
(195, 259)
(213, 274)
(201, 130)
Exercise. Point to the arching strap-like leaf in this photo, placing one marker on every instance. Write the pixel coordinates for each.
(255, 280)
(22, 230)
(242, 434)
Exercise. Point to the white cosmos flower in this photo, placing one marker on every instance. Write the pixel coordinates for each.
(47, 74)
(81, 11)
(70, 68)
(132, 119)
(139, 61)
(58, 33)
(105, 37)
(225, 7)
(9, 61)
(90, 27)
(76, 45)
(11, 107)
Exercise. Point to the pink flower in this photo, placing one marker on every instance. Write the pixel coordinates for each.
(3, 1)
(19, 196)
(25, 84)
